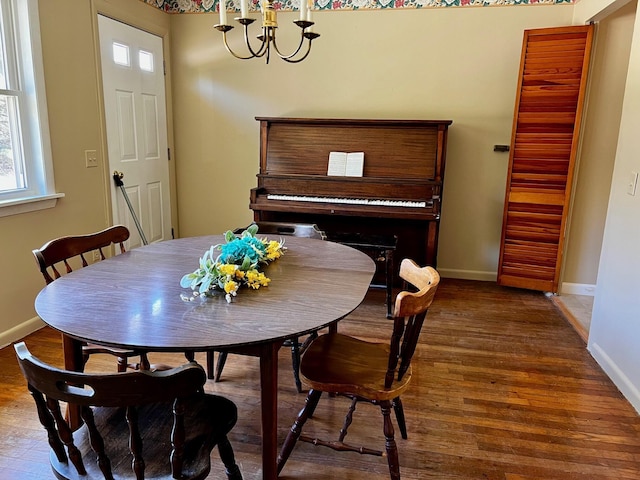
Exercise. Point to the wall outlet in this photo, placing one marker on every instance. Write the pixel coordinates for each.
(96, 256)
(91, 158)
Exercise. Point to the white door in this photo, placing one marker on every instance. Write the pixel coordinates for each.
(135, 111)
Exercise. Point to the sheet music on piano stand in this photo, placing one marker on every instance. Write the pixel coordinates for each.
(343, 164)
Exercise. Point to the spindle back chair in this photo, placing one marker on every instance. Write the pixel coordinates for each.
(61, 255)
(137, 424)
(377, 373)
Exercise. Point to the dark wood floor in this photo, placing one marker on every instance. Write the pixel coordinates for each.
(503, 388)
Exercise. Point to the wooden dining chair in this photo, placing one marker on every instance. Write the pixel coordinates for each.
(304, 230)
(364, 371)
(64, 253)
(137, 424)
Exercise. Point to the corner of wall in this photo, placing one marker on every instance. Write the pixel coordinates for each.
(624, 384)
(20, 331)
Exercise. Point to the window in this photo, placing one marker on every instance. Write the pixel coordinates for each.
(26, 172)
(121, 54)
(145, 59)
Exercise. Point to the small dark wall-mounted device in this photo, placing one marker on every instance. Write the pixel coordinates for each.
(501, 148)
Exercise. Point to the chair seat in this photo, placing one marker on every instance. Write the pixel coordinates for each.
(342, 364)
(208, 419)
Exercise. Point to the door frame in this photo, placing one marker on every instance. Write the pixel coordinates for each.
(156, 22)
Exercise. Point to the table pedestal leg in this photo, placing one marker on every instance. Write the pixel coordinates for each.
(269, 406)
(73, 361)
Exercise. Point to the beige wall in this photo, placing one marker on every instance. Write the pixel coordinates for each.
(75, 123)
(448, 63)
(610, 61)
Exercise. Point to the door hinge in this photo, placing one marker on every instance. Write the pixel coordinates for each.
(164, 67)
(169, 154)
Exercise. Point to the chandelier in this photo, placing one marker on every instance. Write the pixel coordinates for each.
(268, 36)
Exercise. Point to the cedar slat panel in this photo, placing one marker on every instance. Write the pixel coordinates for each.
(546, 124)
(529, 271)
(524, 138)
(550, 79)
(542, 152)
(545, 181)
(540, 167)
(535, 198)
(560, 65)
(546, 118)
(544, 257)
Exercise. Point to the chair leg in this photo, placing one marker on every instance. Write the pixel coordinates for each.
(390, 443)
(122, 364)
(348, 419)
(210, 370)
(402, 424)
(312, 336)
(226, 455)
(295, 362)
(222, 358)
(144, 362)
(297, 349)
(310, 405)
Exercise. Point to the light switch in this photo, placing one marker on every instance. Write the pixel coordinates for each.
(633, 182)
(91, 158)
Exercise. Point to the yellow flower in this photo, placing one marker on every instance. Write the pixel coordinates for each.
(227, 269)
(274, 250)
(256, 279)
(230, 286)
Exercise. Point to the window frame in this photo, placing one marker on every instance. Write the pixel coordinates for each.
(22, 24)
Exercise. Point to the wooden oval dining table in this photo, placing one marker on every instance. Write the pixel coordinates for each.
(133, 300)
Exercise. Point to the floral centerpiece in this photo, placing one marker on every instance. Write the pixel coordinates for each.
(237, 264)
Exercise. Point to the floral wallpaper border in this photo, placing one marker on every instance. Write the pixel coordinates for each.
(208, 6)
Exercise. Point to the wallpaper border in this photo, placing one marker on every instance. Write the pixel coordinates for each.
(210, 6)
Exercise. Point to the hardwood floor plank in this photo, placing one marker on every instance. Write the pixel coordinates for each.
(502, 389)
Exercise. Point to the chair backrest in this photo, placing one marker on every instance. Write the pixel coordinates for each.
(305, 230)
(65, 248)
(409, 313)
(49, 386)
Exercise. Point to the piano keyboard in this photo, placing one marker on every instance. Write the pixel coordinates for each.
(352, 201)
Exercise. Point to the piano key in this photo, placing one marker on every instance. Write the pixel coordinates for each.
(352, 201)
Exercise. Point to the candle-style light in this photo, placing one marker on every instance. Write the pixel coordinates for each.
(268, 35)
(223, 12)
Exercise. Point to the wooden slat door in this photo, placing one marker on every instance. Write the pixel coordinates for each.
(546, 126)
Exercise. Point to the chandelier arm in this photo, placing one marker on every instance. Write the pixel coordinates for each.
(264, 47)
(287, 57)
(298, 60)
(226, 45)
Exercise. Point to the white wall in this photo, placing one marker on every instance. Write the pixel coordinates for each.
(599, 139)
(614, 338)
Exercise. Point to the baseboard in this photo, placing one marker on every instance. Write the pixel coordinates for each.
(468, 274)
(570, 317)
(578, 289)
(616, 375)
(20, 331)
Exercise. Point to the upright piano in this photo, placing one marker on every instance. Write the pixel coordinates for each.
(399, 192)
